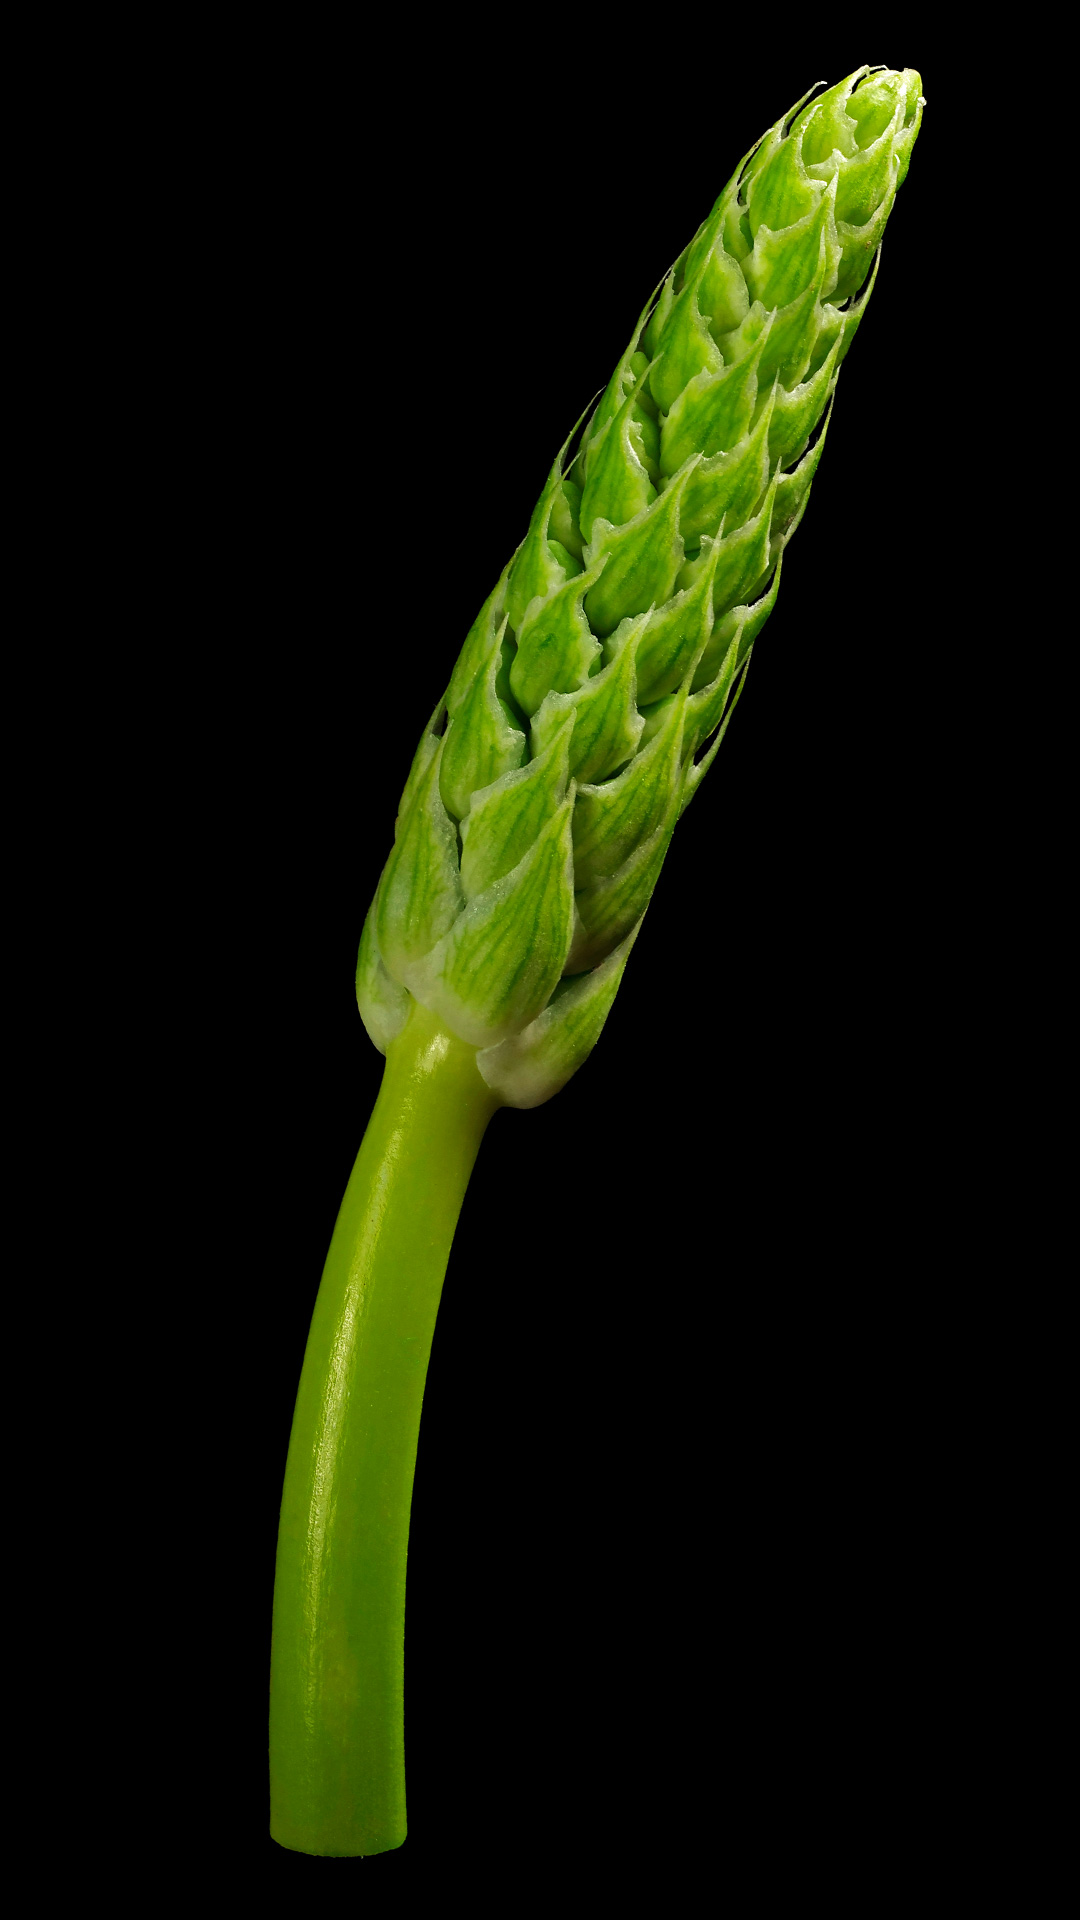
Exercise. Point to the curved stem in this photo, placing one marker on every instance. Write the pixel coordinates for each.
(337, 1761)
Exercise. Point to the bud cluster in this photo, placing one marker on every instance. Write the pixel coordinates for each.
(595, 686)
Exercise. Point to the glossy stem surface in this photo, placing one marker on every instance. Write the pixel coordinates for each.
(337, 1749)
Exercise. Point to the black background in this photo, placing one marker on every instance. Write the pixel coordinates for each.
(694, 1485)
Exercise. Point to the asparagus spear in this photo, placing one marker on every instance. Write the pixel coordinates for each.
(586, 706)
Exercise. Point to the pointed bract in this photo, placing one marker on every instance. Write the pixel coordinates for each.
(536, 1063)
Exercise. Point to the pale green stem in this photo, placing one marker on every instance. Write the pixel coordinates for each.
(337, 1759)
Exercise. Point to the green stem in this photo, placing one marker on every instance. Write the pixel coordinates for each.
(337, 1744)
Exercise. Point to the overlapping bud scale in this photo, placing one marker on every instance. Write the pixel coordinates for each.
(594, 688)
